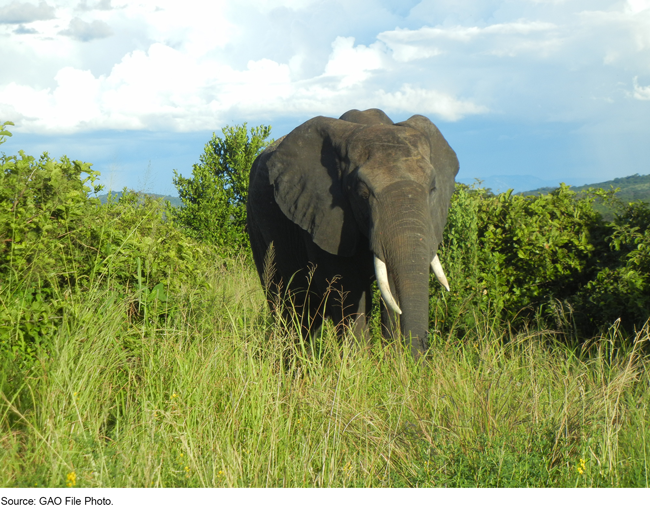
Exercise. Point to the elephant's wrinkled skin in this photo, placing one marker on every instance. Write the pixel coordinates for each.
(349, 196)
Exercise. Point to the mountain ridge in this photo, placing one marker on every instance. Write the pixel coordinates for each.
(631, 188)
(174, 201)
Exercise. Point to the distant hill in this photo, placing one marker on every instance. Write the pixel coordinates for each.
(174, 201)
(632, 188)
(519, 183)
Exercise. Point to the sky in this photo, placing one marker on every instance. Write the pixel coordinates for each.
(529, 93)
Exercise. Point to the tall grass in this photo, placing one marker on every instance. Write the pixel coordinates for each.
(214, 394)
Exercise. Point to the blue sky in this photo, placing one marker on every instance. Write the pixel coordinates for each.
(528, 92)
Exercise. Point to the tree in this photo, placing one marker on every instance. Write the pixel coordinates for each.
(214, 198)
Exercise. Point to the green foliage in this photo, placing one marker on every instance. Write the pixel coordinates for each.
(611, 195)
(551, 255)
(214, 198)
(543, 244)
(621, 288)
(633, 188)
(4, 132)
(40, 203)
(56, 239)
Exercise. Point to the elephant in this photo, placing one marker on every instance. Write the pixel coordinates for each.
(339, 203)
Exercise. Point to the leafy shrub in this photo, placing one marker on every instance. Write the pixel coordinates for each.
(621, 288)
(473, 272)
(214, 198)
(57, 241)
(512, 256)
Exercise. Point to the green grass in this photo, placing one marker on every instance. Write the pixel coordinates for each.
(216, 395)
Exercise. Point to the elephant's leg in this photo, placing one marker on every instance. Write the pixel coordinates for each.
(310, 312)
(360, 319)
(350, 310)
(264, 255)
(350, 298)
(342, 286)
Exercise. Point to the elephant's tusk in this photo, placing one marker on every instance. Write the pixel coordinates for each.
(437, 270)
(384, 287)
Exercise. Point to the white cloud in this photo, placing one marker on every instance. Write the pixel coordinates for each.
(636, 6)
(100, 5)
(195, 27)
(21, 29)
(173, 65)
(83, 31)
(77, 96)
(428, 102)
(165, 88)
(641, 92)
(404, 53)
(266, 6)
(351, 63)
(499, 39)
(24, 12)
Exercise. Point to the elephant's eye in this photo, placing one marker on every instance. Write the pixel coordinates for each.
(362, 190)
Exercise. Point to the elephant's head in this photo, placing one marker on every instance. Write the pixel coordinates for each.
(362, 175)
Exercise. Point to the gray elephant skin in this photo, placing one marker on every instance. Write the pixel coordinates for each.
(345, 202)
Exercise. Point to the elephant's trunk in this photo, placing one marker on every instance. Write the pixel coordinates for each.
(403, 240)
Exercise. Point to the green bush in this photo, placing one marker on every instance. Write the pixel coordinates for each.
(57, 241)
(515, 258)
(621, 288)
(214, 198)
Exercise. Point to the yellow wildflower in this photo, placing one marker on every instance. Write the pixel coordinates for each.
(72, 479)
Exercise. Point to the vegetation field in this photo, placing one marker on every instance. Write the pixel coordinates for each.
(630, 189)
(136, 352)
(215, 395)
(633, 188)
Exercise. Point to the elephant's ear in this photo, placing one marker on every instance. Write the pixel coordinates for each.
(445, 164)
(306, 173)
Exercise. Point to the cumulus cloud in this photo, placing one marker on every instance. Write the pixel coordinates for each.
(153, 90)
(498, 39)
(101, 5)
(353, 64)
(83, 31)
(21, 29)
(636, 6)
(23, 12)
(429, 102)
(641, 92)
(191, 67)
